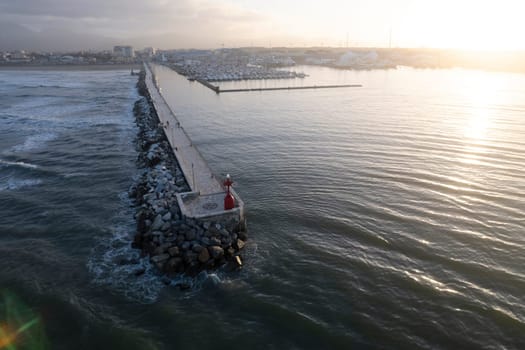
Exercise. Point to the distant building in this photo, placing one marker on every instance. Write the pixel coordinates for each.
(123, 51)
(149, 51)
(319, 61)
(145, 54)
(68, 59)
(18, 57)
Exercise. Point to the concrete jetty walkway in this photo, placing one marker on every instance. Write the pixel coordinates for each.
(198, 174)
(206, 198)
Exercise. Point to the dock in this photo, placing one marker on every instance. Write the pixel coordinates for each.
(206, 198)
(292, 88)
(209, 85)
(218, 90)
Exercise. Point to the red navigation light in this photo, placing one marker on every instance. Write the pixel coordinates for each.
(229, 201)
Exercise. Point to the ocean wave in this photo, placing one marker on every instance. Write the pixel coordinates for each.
(17, 164)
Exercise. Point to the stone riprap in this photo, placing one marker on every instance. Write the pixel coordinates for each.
(175, 244)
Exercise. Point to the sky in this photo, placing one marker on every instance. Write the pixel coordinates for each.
(464, 24)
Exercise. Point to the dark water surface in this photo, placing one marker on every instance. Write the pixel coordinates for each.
(389, 216)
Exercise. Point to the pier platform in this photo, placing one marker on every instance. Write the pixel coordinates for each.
(207, 192)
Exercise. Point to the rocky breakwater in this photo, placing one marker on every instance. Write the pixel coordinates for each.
(175, 244)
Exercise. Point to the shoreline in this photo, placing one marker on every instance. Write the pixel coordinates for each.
(70, 67)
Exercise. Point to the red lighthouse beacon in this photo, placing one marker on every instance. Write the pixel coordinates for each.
(229, 201)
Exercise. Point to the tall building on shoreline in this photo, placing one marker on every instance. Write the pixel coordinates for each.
(123, 51)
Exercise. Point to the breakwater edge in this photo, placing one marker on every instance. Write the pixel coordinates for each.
(175, 243)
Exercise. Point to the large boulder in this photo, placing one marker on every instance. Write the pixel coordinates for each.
(160, 258)
(173, 251)
(174, 265)
(216, 252)
(165, 227)
(190, 257)
(197, 248)
(239, 244)
(191, 235)
(157, 223)
(204, 256)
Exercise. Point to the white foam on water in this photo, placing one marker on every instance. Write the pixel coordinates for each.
(12, 184)
(194, 285)
(115, 264)
(19, 164)
(77, 174)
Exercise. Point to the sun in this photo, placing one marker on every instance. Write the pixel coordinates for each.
(469, 25)
(484, 27)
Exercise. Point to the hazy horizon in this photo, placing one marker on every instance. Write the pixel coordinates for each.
(57, 24)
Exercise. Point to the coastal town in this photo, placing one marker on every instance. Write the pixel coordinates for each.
(119, 55)
(236, 63)
(259, 62)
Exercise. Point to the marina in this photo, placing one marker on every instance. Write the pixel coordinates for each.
(236, 70)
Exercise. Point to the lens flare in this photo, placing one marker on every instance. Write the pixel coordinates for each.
(19, 327)
(7, 337)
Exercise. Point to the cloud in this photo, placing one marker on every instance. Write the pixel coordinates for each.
(204, 21)
(83, 9)
(159, 15)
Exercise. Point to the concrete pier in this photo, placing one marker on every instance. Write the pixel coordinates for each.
(218, 90)
(291, 88)
(209, 85)
(207, 192)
